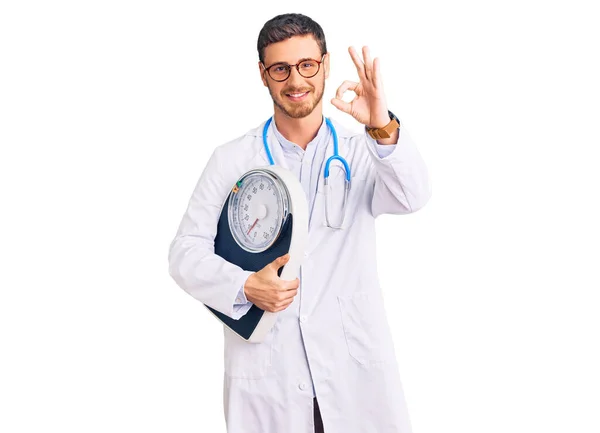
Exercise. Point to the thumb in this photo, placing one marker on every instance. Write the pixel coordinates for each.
(280, 261)
(341, 105)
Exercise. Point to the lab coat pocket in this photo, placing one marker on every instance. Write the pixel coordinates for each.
(355, 204)
(247, 360)
(366, 329)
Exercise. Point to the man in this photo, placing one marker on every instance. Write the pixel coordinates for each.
(329, 363)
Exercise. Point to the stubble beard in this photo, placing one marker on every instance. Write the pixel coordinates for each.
(298, 111)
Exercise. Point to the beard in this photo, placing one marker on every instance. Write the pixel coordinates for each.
(298, 110)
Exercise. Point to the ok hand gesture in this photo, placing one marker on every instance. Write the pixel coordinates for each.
(369, 107)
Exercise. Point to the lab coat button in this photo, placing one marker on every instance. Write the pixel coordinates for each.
(302, 386)
(305, 255)
(302, 319)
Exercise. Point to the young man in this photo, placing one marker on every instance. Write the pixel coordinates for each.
(329, 363)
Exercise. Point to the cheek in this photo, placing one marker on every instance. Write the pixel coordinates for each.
(276, 89)
(319, 86)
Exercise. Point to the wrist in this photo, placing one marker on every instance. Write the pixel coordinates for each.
(249, 284)
(388, 130)
(379, 123)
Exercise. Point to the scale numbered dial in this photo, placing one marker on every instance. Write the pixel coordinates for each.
(258, 207)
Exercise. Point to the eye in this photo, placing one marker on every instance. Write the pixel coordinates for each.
(279, 68)
(308, 65)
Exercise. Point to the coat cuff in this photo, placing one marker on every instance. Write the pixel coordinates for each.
(383, 150)
(404, 149)
(239, 302)
(241, 310)
(241, 299)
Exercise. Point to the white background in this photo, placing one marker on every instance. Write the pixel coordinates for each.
(109, 111)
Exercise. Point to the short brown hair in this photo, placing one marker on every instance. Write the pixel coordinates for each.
(285, 26)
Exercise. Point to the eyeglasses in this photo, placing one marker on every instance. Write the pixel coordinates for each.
(308, 68)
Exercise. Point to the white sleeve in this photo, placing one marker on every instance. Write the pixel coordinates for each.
(401, 177)
(193, 263)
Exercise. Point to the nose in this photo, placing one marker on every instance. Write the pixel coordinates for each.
(295, 76)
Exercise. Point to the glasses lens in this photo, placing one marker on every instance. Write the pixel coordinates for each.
(308, 68)
(279, 72)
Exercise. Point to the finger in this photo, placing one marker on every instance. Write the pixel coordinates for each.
(377, 80)
(344, 106)
(346, 85)
(286, 302)
(368, 63)
(278, 309)
(280, 303)
(287, 285)
(360, 66)
(272, 308)
(287, 295)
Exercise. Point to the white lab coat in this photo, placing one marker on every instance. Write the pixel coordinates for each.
(335, 333)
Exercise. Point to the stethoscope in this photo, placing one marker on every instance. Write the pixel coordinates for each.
(326, 174)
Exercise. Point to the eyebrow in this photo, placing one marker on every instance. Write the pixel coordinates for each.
(285, 63)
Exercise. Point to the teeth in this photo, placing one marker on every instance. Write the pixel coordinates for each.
(296, 95)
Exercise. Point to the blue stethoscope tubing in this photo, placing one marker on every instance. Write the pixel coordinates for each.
(335, 156)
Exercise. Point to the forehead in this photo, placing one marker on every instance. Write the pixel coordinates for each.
(293, 49)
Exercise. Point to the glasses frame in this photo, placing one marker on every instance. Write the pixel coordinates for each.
(289, 68)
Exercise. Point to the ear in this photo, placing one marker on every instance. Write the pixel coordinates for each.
(263, 75)
(326, 65)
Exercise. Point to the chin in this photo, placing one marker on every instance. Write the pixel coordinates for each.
(299, 113)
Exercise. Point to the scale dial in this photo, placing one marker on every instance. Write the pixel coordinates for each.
(258, 207)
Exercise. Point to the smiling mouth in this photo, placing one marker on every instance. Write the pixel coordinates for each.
(297, 95)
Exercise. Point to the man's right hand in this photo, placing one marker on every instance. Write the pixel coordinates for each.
(269, 292)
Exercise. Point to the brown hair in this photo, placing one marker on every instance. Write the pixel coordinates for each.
(285, 26)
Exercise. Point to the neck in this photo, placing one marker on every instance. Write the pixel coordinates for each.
(300, 131)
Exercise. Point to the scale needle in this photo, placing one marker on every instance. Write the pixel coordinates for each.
(252, 226)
